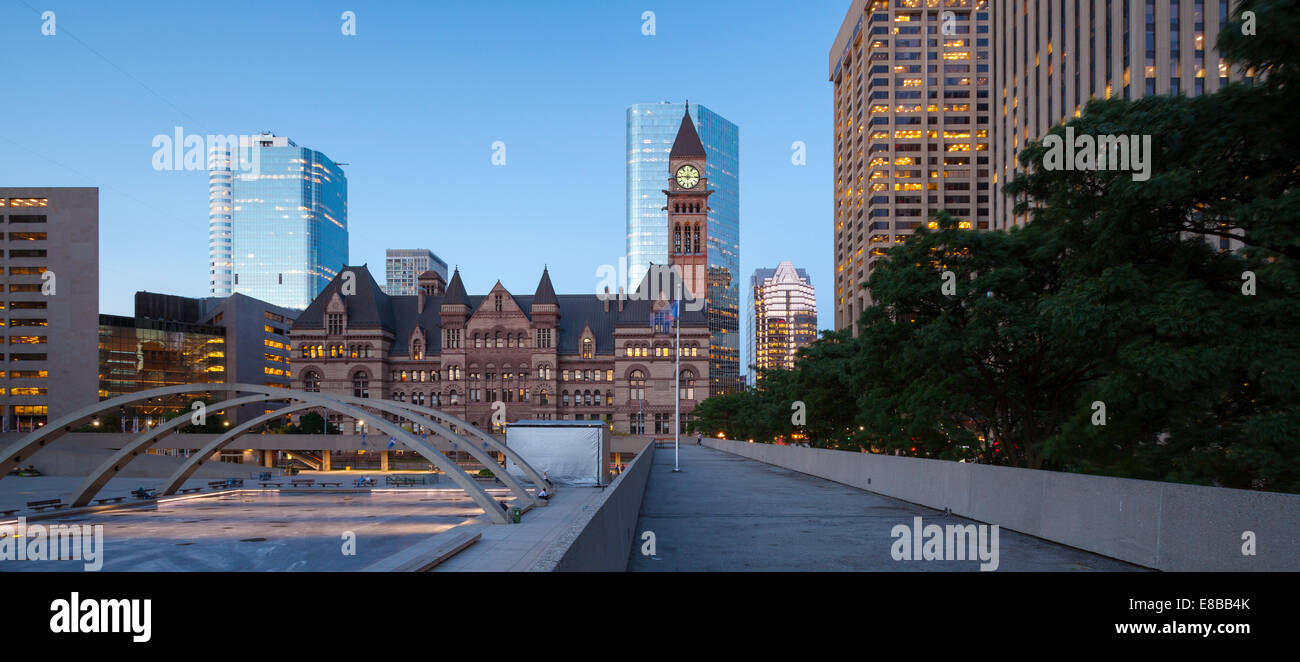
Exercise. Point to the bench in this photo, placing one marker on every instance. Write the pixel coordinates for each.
(7, 513)
(324, 484)
(187, 490)
(218, 484)
(269, 484)
(42, 504)
(302, 482)
(143, 493)
(108, 500)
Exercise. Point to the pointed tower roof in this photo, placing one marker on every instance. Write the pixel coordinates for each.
(688, 143)
(455, 292)
(545, 291)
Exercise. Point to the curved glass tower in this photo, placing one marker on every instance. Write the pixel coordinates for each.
(651, 129)
(286, 224)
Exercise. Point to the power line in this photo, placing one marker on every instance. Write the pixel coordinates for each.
(124, 72)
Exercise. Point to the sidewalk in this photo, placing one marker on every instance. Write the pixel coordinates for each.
(723, 512)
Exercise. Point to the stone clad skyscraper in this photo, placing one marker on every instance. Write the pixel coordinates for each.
(782, 316)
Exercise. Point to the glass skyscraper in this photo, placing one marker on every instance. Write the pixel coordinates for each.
(403, 266)
(277, 232)
(651, 129)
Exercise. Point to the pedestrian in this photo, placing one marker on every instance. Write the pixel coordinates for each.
(699, 438)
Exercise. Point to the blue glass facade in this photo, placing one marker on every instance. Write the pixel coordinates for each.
(651, 129)
(289, 225)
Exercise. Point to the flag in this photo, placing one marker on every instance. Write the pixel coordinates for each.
(663, 319)
(392, 443)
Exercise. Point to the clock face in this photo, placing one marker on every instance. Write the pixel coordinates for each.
(688, 176)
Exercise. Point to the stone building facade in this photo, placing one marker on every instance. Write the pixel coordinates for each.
(540, 356)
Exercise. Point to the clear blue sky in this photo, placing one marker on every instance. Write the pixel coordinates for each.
(413, 102)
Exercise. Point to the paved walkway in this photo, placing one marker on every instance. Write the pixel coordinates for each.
(723, 512)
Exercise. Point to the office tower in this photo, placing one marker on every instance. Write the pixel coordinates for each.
(234, 339)
(912, 119)
(403, 266)
(652, 129)
(287, 222)
(1052, 56)
(782, 316)
(50, 282)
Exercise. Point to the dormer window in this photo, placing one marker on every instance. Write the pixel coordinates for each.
(334, 323)
(588, 348)
(498, 302)
(417, 350)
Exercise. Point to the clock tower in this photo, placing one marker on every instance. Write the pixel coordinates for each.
(688, 209)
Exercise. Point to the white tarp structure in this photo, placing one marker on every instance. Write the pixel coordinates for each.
(568, 452)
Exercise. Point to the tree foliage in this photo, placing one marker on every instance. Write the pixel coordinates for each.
(1118, 303)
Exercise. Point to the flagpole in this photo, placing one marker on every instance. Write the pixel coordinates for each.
(677, 381)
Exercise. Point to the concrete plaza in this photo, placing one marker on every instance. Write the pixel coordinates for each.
(252, 531)
(723, 512)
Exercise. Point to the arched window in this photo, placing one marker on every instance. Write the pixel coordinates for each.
(698, 248)
(477, 341)
(636, 382)
(588, 348)
(500, 340)
(453, 398)
(688, 386)
(586, 398)
(596, 394)
(609, 397)
(564, 398)
(360, 385)
(542, 398)
(417, 350)
(520, 342)
(311, 381)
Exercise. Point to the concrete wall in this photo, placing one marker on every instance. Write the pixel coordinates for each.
(1167, 526)
(55, 461)
(604, 542)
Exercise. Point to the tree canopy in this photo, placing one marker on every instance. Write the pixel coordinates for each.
(1132, 328)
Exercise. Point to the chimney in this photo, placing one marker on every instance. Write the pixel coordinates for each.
(620, 299)
(606, 298)
(419, 301)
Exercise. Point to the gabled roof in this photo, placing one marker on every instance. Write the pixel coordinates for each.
(370, 307)
(367, 308)
(687, 144)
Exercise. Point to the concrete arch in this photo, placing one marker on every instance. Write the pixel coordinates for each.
(139, 444)
(480, 435)
(187, 469)
(191, 465)
(34, 441)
